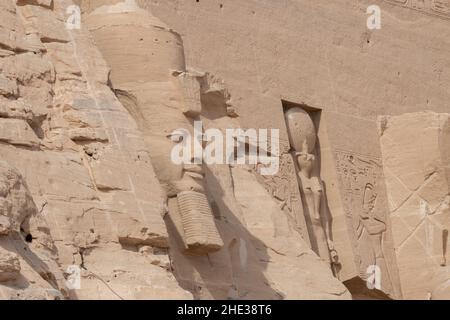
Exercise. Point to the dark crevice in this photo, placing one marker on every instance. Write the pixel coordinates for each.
(82, 265)
(29, 238)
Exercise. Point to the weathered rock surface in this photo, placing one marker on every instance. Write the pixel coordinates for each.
(29, 267)
(9, 266)
(242, 265)
(93, 207)
(416, 165)
(84, 162)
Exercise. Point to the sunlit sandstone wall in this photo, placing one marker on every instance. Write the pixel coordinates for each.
(312, 54)
(321, 54)
(249, 233)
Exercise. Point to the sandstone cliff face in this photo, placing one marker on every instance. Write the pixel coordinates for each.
(92, 207)
(416, 165)
(84, 161)
(93, 194)
(319, 55)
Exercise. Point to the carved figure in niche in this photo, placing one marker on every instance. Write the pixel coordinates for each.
(303, 139)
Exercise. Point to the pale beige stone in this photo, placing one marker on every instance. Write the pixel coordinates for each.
(419, 193)
(86, 127)
(18, 132)
(9, 266)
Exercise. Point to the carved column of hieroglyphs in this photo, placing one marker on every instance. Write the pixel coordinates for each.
(440, 8)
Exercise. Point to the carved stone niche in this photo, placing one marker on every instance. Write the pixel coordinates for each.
(301, 123)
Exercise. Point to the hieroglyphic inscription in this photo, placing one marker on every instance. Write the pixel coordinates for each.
(440, 8)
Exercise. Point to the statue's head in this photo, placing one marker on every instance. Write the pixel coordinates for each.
(301, 130)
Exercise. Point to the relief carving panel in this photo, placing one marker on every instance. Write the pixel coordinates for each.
(365, 205)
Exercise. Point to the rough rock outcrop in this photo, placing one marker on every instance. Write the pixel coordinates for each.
(28, 257)
(82, 156)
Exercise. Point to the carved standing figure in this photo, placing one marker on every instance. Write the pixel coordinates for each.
(374, 226)
(303, 139)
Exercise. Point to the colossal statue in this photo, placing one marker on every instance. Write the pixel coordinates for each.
(163, 97)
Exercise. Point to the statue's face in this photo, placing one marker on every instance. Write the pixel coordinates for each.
(306, 162)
